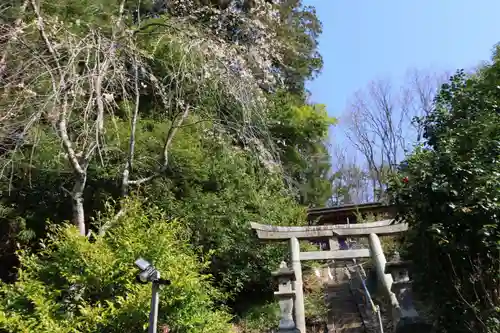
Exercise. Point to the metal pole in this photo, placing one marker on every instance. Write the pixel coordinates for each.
(153, 314)
(381, 325)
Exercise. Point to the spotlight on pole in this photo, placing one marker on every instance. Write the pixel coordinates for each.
(148, 273)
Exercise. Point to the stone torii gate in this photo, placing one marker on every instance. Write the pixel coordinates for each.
(332, 233)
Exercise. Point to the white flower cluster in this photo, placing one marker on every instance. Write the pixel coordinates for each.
(240, 48)
(242, 38)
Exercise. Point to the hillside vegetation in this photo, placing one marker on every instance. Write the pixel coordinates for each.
(157, 129)
(163, 128)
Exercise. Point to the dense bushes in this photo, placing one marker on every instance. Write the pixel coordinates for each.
(193, 107)
(74, 284)
(217, 190)
(449, 190)
(196, 109)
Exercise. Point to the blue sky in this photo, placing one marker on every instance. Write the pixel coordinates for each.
(368, 39)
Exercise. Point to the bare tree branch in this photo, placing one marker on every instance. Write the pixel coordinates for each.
(170, 136)
(69, 84)
(79, 171)
(62, 80)
(461, 295)
(417, 96)
(382, 124)
(133, 128)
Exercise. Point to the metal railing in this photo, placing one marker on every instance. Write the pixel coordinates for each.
(375, 308)
(361, 275)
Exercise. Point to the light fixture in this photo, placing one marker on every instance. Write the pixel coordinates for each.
(148, 274)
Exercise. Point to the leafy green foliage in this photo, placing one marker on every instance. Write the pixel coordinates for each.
(260, 318)
(300, 131)
(314, 300)
(449, 190)
(301, 32)
(217, 190)
(89, 286)
(250, 133)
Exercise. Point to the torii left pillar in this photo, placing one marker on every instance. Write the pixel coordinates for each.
(300, 315)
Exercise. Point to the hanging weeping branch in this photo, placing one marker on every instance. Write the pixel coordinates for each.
(70, 80)
(82, 72)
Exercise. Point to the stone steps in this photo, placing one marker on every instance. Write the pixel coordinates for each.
(348, 311)
(343, 310)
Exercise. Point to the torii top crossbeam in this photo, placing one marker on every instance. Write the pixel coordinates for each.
(276, 233)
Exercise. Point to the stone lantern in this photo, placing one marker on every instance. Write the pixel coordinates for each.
(285, 296)
(409, 320)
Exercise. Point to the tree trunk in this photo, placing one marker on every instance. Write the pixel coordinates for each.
(77, 204)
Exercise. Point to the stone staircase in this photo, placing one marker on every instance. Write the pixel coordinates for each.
(343, 310)
(348, 309)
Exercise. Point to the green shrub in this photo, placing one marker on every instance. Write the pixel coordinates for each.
(449, 191)
(314, 299)
(77, 285)
(260, 318)
(264, 317)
